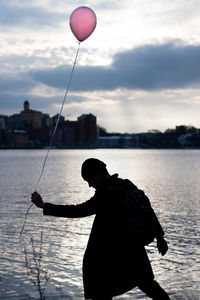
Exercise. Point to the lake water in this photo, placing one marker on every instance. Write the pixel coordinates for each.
(171, 179)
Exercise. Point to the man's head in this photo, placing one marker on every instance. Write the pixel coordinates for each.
(94, 171)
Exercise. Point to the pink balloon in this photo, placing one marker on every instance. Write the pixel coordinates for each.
(82, 22)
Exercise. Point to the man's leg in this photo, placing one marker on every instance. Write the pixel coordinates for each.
(153, 290)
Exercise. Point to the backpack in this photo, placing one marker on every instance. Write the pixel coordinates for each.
(139, 220)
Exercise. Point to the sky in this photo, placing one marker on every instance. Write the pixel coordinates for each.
(139, 70)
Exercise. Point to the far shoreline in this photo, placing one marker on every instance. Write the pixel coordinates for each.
(99, 148)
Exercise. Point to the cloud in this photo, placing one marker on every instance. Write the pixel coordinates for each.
(14, 14)
(19, 13)
(16, 82)
(150, 67)
(13, 103)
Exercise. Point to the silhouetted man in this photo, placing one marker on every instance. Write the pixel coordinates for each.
(113, 262)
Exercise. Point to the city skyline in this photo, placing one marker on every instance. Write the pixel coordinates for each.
(32, 129)
(139, 70)
(48, 116)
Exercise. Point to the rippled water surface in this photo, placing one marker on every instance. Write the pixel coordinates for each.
(169, 177)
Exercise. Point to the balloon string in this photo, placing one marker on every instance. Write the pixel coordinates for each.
(53, 135)
(55, 128)
(25, 220)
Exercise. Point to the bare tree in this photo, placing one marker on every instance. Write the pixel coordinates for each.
(37, 275)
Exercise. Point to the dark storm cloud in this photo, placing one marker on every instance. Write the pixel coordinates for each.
(150, 67)
(16, 82)
(19, 15)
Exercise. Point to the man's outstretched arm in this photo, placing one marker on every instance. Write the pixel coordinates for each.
(68, 211)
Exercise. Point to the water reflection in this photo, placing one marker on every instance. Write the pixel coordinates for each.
(169, 177)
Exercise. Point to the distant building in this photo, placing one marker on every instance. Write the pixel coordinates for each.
(15, 122)
(2, 122)
(3, 130)
(46, 121)
(32, 118)
(36, 124)
(54, 120)
(80, 133)
(87, 130)
(32, 128)
(18, 139)
(70, 134)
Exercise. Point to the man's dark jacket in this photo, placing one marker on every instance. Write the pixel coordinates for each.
(113, 262)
